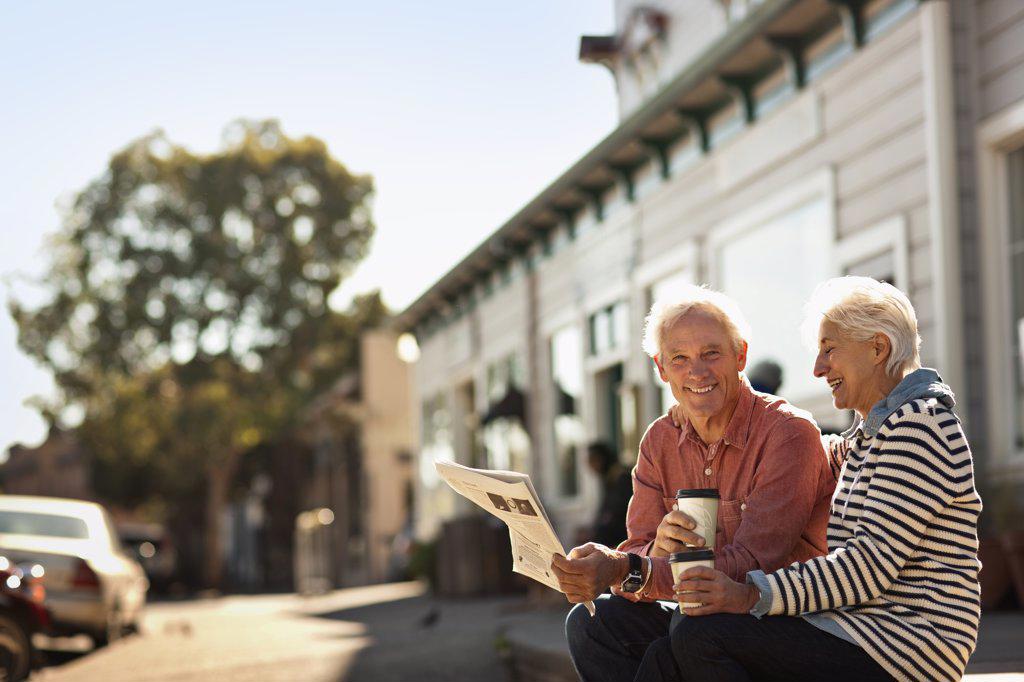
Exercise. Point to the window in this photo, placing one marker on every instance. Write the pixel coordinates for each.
(504, 433)
(1015, 257)
(1001, 190)
(437, 438)
(567, 388)
(47, 525)
(770, 270)
(503, 374)
(608, 328)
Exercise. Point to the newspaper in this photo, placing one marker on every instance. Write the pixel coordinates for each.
(511, 497)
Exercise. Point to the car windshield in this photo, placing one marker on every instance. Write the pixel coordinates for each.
(29, 523)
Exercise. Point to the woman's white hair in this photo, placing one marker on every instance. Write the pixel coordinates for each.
(862, 307)
(665, 313)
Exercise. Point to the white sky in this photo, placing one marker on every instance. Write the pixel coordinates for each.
(462, 111)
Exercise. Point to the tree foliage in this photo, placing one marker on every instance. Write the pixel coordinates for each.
(174, 256)
(187, 314)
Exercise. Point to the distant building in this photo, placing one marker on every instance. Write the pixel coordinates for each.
(362, 436)
(764, 146)
(58, 467)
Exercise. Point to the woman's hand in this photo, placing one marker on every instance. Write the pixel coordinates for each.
(675, 413)
(715, 591)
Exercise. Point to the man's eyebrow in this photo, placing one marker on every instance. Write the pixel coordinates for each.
(824, 339)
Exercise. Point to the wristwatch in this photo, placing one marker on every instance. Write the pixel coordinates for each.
(635, 578)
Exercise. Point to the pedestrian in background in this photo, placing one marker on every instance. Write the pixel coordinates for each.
(609, 527)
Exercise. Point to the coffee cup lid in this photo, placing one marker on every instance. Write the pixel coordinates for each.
(691, 555)
(696, 492)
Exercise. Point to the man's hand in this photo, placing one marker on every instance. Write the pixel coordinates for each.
(588, 571)
(716, 591)
(675, 534)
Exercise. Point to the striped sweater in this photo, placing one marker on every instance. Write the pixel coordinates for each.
(901, 576)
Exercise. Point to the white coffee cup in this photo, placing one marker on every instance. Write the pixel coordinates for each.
(701, 505)
(680, 561)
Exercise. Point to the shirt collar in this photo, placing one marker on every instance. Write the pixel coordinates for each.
(738, 428)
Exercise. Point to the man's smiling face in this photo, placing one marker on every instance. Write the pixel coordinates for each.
(700, 362)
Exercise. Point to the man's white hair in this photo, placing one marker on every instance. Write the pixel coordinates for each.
(862, 307)
(665, 313)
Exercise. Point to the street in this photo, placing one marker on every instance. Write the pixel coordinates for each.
(380, 633)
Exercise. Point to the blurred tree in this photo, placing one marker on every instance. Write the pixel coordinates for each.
(188, 320)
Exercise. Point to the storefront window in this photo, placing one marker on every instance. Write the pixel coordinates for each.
(504, 423)
(608, 328)
(770, 271)
(567, 386)
(437, 438)
(1015, 254)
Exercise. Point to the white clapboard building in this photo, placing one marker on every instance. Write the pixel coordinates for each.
(763, 146)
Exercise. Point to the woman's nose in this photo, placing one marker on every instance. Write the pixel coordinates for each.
(820, 366)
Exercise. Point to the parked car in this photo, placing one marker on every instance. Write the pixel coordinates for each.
(92, 585)
(22, 614)
(150, 544)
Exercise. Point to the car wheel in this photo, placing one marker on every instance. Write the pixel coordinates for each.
(113, 631)
(15, 650)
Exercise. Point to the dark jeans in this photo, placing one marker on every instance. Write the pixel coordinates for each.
(611, 646)
(628, 641)
(729, 647)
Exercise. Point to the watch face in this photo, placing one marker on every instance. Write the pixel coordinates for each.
(634, 579)
(632, 582)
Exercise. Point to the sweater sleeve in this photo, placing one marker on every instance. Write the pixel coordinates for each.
(921, 464)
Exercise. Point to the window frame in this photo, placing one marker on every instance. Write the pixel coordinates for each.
(998, 137)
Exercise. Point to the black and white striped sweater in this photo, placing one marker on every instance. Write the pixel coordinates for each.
(901, 575)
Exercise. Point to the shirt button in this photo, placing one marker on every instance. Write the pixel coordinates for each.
(743, 507)
(707, 472)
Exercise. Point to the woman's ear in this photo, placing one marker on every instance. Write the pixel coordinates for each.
(882, 347)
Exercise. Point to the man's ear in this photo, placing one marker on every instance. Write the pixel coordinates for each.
(741, 356)
(661, 370)
(882, 348)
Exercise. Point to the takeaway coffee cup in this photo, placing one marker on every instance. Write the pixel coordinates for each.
(680, 561)
(701, 505)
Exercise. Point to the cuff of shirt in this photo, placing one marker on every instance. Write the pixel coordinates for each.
(759, 580)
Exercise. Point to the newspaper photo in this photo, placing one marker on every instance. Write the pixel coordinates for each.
(511, 497)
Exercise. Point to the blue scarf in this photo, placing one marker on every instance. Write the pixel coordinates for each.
(921, 383)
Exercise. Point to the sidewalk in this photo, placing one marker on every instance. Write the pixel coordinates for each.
(536, 649)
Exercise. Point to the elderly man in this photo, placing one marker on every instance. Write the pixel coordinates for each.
(764, 456)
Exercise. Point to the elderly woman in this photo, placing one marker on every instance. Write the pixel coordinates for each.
(896, 597)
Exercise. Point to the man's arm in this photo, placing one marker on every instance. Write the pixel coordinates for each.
(646, 510)
(785, 490)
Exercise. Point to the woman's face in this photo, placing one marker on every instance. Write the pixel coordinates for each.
(853, 369)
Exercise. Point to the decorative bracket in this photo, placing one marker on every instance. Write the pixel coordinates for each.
(697, 121)
(851, 13)
(791, 50)
(659, 147)
(625, 174)
(741, 90)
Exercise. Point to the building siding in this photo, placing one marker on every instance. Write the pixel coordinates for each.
(1000, 49)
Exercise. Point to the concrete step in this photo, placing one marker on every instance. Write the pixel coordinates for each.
(534, 648)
